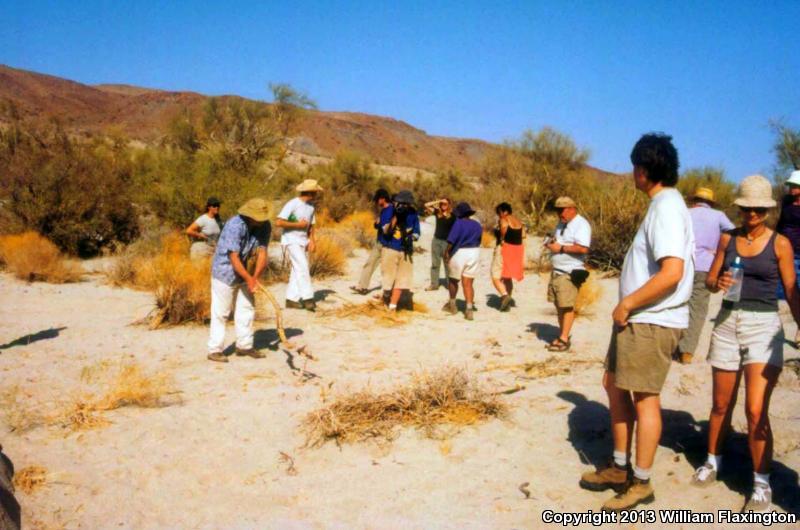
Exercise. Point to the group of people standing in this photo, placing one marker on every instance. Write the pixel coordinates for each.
(678, 257)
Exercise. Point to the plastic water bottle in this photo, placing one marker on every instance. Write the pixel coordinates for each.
(734, 293)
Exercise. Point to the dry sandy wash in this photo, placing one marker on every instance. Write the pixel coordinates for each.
(214, 457)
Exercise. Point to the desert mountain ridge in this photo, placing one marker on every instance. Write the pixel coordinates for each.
(144, 114)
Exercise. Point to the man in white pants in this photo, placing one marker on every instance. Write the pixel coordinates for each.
(243, 236)
(297, 219)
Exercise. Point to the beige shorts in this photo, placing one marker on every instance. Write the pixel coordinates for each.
(464, 263)
(561, 291)
(397, 270)
(639, 356)
(497, 262)
(743, 337)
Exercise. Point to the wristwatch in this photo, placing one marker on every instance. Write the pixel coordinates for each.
(561, 249)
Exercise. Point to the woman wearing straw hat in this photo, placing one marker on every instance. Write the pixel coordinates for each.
(205, 230)
(297, 219)
(244, 235)
(708, 224)
(748, 334)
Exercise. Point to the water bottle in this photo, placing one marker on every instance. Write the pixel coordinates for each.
(734, 293)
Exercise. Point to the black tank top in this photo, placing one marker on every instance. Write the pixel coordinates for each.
(761, 276)
(513, 236)
(443, 226)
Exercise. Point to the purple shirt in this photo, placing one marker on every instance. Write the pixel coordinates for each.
(466, 233)
(708, 224)
(789, 223)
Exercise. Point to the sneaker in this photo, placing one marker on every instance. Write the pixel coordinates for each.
(505, 302)
(760, 500)
(218, 356)
(291, 304)
(450, 307)
(309, 305)
(468, 314)
(636, 492)
(609, 477)
(250, 352)
(704, 476)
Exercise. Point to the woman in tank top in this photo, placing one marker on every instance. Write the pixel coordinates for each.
(508, 260)
(748, 334)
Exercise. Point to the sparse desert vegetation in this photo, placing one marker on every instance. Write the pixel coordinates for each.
(32, 258)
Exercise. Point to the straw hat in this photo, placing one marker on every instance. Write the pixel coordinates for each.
(794, 178)
(565, 202)
(755, 191)
(706, 194)
(257, 209)
(308, 185)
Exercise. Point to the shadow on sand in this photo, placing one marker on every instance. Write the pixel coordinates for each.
(544, 332)
(46, 334)
(590, 436)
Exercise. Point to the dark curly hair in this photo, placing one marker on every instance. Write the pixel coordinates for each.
(502, 207)
(655, 153)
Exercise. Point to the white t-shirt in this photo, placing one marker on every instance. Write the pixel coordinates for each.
(208, 227)
(666, 231)
(576, 232)
(293, 211)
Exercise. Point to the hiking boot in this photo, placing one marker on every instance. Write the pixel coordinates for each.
(611, 476)
(291, 304)
(250, 352)
(217, 356)
(468, 314)
(450, 307)
(432, 288)
(760, 500)
(637, 492)
(309, 305)
(505, 302)
(704, 476)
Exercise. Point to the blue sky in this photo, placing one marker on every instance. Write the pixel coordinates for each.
(712, 74)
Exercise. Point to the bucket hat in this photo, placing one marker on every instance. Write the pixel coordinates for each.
(463, 209)
(755, 191)
(565, 202)
(257, 209)
(404, 196)
(706, 194)
(308, 185)
(794, 178)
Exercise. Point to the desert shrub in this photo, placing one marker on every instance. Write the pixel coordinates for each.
(31, 257)
(449, 396)
(708, 177)
(588, 295)
(360, 226)
(328, 259)
(122, 271)
(75, 193)
(349, 182)
(488, 240)
(181, 285)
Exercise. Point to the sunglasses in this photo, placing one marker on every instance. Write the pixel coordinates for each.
(757, 210)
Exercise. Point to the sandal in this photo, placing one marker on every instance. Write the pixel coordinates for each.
(559, 345)
(359, 290)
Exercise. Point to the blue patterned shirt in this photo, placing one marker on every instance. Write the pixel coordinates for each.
(237, 237)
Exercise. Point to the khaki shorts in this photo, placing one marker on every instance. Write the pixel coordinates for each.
(639, 356)
(497, 262)
(397, 270)
(562, 291)
(743, 337)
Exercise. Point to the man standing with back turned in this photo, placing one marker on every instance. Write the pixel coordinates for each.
(654, 288)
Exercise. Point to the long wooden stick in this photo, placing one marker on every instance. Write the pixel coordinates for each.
(302, 350)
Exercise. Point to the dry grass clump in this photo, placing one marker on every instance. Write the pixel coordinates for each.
(29, 479)
(449, 396)
(122, 273)
(376, 311)
(550, 367)
(588, 295)
(181, 285)
(33, 258)
(328, 259)
(361, 228)
(488, 239)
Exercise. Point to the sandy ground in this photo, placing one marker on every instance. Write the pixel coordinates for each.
(213, 460)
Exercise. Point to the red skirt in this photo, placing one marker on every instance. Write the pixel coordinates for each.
(513, 261)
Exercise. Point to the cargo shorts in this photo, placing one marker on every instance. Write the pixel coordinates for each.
(561, 291)
(640, 355)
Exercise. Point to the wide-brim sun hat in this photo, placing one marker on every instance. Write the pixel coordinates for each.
(404, 196)
(755, 191)
(794, 178)
(463, 209)
(706, 194)
(257, 209)
(308, 185)
(565, 202)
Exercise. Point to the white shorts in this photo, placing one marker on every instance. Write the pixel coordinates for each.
(745, 337)
(464, 263)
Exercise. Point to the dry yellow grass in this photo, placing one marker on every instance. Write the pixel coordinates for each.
(376, 311)
(33, 258)
(29, 479)
(430, 401)
(552, 366)
(488, 240)
(361, 227)
(590, 292)
(328, 259)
